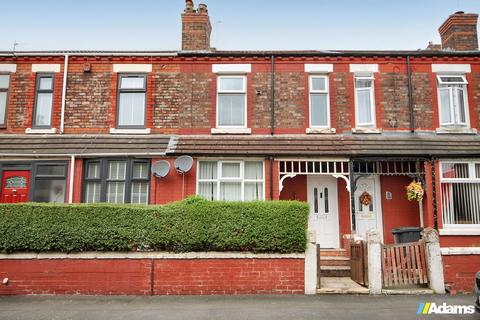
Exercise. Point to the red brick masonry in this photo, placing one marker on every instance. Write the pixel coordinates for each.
(152, 276)
(460, 271)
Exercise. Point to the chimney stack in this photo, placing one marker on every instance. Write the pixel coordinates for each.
(196, 28)
(459, 32)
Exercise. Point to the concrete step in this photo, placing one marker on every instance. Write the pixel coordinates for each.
(340, 285)
(333, 253)
(334, 271)
(334, 261)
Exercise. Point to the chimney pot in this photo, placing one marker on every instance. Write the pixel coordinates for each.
(189, 6)
(459, 32)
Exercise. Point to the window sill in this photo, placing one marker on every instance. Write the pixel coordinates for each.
(459, 231)
(129, 131)
(456, 130)
(231, 131)
(321, 130)
(366, 130)
(460, 251)
(40, 131)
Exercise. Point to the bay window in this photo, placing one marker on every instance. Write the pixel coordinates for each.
(453, 100)
(460, 185)
(42, 114)
(49, 182)
(364, 101)
(231, 180)
(131, 110)
(116, 181)
(319, 102)
(231, 101)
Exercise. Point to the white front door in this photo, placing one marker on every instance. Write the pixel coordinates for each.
(322, 197)
(368, 216)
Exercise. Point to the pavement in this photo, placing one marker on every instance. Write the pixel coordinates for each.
(328, 307)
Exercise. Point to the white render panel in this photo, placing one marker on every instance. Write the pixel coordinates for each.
(231, 68)
(364, 68)
(48, 67)
(320, 68)
(451, 68)
(453, 251)
(8, 67)
(132, 67)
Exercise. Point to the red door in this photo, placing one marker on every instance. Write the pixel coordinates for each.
(15, 186)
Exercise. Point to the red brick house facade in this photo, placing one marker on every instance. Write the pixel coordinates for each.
(326, 127)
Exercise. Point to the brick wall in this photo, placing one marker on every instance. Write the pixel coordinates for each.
(169, 277)
(182, 94)
(460, 271)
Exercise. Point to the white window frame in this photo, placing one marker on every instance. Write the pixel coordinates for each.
(371, 124)
(454, 111)
(314, 92)
(472, 179)
(241, 179)
(219, 92)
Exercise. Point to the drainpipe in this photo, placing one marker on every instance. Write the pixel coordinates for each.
(64, 92)
(434, 194)
(72, 179)
(271, 177)
(410, 95)
(272, 108)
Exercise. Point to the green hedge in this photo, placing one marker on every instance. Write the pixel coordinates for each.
(190, 225)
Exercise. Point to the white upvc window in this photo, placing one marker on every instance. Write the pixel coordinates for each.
(231, 180)
(364, 100)
(460, 184)
(319, 101)
(453, 100)
(232, 101)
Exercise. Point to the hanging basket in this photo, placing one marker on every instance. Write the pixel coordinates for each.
(366, 198)
(415, 191)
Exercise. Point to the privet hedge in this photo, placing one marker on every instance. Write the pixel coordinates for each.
(190, 225)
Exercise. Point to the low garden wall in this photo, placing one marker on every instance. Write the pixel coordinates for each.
(189, 247)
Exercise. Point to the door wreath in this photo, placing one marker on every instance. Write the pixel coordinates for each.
(366, 198)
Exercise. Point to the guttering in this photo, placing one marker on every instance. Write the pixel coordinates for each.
(89, 53)
(410, 95)
(64, 92)
(63, 155)
(272, 124)
(72, 179)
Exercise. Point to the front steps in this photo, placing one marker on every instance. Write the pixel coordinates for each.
(334, 263)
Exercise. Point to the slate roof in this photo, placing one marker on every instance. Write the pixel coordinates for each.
(83, 145)
(331, 145)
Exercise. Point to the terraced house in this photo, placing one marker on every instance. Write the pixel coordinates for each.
(345, 131)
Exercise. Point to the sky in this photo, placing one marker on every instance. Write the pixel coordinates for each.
(237, 24)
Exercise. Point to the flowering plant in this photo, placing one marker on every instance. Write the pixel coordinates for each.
(415, 191)
(366, 198)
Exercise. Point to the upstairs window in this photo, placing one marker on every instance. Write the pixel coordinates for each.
(231, 180)
(364, 101)
(116, 181)
(42, 114)
(232, 102)
(452, 97)
(131, 110)
(319, 102)
(4, 85)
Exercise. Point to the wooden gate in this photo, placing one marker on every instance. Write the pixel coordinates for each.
(359, 262)
(404, 264)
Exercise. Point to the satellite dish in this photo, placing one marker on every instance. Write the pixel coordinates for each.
(161, 168)
(183, 164)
